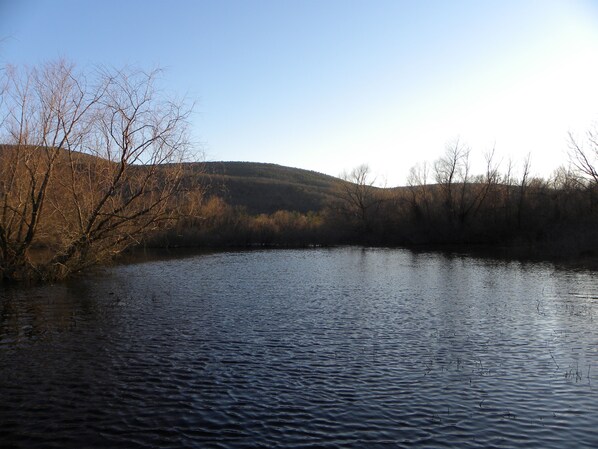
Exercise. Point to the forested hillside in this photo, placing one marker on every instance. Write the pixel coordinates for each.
(267, 188)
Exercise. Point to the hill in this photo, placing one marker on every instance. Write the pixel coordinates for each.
(267, 188)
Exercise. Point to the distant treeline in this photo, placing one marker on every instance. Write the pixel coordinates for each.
(92, 164)
(444, 203)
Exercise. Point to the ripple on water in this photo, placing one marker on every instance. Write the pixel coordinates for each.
(303, 348)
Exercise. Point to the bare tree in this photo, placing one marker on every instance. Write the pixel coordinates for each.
(523, 186)
(584, 157)
(359, 197)
(86, 169)
(452, 173)
(486, 184)
(418, 183)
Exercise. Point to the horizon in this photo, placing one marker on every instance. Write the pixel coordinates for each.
(328, 86)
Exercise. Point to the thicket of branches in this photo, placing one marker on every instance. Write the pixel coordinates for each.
(88, 165)
(91, 164)
(444, 203)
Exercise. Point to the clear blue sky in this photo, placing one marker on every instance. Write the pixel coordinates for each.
(327, 85)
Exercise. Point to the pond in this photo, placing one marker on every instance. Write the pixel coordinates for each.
(344, 347)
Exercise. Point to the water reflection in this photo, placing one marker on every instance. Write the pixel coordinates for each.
(326, 348)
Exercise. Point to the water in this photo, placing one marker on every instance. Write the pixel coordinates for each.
(303, 348)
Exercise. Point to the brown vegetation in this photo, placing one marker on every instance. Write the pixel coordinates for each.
(444, 203)
(266, 188)
(88, 169)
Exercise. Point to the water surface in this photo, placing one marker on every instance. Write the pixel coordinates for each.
(303, 348)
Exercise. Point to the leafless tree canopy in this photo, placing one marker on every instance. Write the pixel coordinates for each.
(360, 200)
(87, 165)
(584, 155)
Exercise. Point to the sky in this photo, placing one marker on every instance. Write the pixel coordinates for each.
(328, 85)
